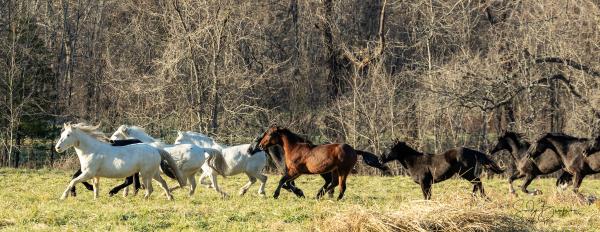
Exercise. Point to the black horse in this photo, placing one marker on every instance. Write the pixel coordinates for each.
(529, 168)
(426, 169)
(579, 156)
(135, 179)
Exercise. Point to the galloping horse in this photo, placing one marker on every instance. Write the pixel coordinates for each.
(305, 158)
(426, 169)
(529, 168)
(135, 179)
(571, 151)
(189, 157)
(276, 155)
(233, 160)
(100, 159)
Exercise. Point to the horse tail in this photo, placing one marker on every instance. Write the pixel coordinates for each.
(372, 160)
(216, 162)
(169, 167)
(488, 163)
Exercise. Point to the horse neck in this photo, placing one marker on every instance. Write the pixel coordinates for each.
(88, 144)
(286, 144)
(517, 148)
(142, 136)
(409, 157)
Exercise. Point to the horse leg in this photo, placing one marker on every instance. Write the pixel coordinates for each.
(334, 182)
(564, 180)
(164, 186)
(245, 188)
(96, 182)
(478, 187)
(329, 176)
(285, 178)
(325, 186)
(577, 179)
(82, 177)
(213, 180)
(136, 183)
(342, 183)
(115, 190)
(528, 179)
(192, 181)
(511, 179)
(426, 188)
(147, 179)
(263, 181)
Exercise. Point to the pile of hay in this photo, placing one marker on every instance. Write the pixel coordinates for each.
(427, 216)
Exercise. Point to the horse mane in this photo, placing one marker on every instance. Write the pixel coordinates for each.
(193, 133)
(91, 130)
(143, 130)
(398, 142)
(294, 138)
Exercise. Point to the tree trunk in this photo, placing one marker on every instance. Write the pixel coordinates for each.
(333, 80)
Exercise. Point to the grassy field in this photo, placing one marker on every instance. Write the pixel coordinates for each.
(29, 201)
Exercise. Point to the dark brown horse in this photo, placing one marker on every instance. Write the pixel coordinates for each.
(306, 158)
(571, 151)
(426, 169)
(276, 155)
(529, 168)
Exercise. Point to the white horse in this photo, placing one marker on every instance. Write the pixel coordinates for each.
(190, 158)
(234, 160)
(100, 159)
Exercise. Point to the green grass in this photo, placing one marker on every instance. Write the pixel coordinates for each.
(29, 201)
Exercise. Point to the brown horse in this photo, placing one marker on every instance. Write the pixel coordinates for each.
(426, 169)
(306, 158)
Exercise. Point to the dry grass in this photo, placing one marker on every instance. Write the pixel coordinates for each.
(428, 216)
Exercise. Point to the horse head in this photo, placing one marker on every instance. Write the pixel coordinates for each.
(503, 142)
(67, 138)
(271, 137)
(120, 133)
(253, 148)
(395, 151)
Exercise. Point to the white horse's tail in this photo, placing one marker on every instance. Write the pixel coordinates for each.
(217, 162)
(170, 168)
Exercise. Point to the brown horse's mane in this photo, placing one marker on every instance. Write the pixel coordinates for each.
(294, 138)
